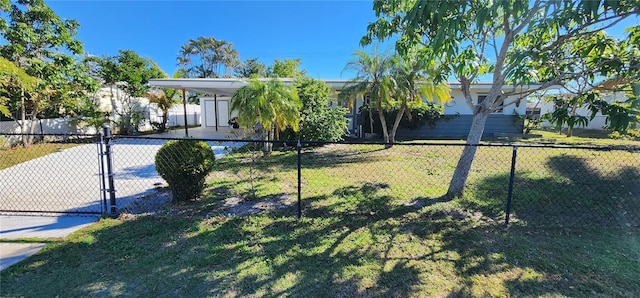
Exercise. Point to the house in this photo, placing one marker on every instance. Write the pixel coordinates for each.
(539, 107)
(216, 113)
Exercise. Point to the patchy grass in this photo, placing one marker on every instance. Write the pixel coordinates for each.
(580, 137)
(15, 155)
(375, 224)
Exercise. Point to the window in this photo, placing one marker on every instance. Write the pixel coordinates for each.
(481, 98)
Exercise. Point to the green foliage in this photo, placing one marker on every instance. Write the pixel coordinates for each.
(165, 98)
(421, 114)
(271, 104)
(134, 72)
(185, 164)
(44, 46)
(250, 68)
(12, 78)
(208, 57)
(89, 114)
(287, 68)
(622, 115)
(631, 134)
(564, 113)
(318, 121)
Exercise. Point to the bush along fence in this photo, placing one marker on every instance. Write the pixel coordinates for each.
(527, 185)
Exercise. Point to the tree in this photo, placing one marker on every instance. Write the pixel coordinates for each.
(287, 68)
(13, 78)
(318, 120)
(129, 73)
(250, 68)
(414, 83)
(208, 57)
(373, 78)
(43, 45)
(271, 104)
(165, 98)
(134, 74)
(515, 43)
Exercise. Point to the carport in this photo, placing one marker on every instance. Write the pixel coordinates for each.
(215, 106)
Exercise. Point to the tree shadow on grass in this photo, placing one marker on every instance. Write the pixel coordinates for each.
(574, 195)
(356, 243)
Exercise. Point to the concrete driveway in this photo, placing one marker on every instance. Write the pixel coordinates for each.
(69, 180)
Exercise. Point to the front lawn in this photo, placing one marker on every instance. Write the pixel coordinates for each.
(374, 224)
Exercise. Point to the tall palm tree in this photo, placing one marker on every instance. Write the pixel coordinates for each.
(270, 104)
(373, 77)
(414, 81)
(207, 57)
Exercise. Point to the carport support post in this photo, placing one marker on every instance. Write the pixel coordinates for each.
(511, 180)
(299, 147)
(107, 153)
(184, 107)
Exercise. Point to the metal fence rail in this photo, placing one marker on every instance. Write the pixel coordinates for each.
(532, 185)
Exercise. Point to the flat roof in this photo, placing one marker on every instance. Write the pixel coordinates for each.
(227, 86)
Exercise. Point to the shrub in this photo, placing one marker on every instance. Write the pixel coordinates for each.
(184, 164)
(421, 115)
(318, 121)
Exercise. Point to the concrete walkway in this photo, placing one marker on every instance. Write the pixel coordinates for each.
(29, 227)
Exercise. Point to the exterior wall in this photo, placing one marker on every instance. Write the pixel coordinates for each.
(175, 117)
(504, 121)
(47, 126)
(597, 123)
(459, 105)
(459, 127)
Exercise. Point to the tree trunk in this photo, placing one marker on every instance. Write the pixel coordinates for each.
(23, 121)
(385, 131)
(163, 125)
(396, 124)
(460, 175)
(572, 116)
(267, 146)
(370, 119)
(113, 103)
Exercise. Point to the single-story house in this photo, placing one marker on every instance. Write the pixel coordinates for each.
(216, 113)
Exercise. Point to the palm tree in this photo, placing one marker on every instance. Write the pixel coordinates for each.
(270, 104)
(373, 77)
(207, 57)
(413, 77)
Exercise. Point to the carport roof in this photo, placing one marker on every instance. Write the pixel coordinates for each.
(223, 86)
(227, 86)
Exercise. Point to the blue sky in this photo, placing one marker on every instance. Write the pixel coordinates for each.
(323, 34)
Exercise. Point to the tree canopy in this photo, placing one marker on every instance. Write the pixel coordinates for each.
(45, 47)
(208, 57)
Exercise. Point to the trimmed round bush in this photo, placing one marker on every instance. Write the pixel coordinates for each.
(185, 164)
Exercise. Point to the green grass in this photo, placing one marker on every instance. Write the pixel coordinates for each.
(579, 137)
(13, 156)
(375, 224)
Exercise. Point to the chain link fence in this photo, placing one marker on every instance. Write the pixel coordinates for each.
(54, 174)
(551, 186)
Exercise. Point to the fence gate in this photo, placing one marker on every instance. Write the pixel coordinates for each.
(56, 174)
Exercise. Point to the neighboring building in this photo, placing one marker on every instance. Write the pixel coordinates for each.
(216, 112)
(150, 111)
(541, 107)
